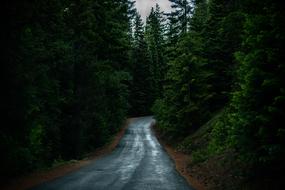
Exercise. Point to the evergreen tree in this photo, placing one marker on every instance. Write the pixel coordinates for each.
(140, 88)
(180, 16)
(186, 91)
(155, 41)
(257, 105)
(65, 79)
(222, 36)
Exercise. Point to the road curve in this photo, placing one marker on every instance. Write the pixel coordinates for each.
(138, 163)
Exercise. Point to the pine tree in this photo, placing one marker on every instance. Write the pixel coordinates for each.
(180, 16)
(65, 79)
(222, 36)
(155, 41)
(257, 105)
(140, 88)
(186, 91)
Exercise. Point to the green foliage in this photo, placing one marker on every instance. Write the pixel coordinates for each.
(65, 78)
(186, 89)
(36, 137)
(230, 58)
(141, 96)
(148, 63)
(255, 114)
(154, 32)
(199, 156)
(180, 16)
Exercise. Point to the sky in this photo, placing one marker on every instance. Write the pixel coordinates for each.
(144, 6)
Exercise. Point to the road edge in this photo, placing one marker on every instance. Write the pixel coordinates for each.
(181, 161)
(38, 177)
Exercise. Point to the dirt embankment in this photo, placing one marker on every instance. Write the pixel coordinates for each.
(216, 172)
(182, 162)
(36, 178)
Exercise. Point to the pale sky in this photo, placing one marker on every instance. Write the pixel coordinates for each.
(144, 6)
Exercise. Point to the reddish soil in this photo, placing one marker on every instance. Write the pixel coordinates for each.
(182, 162)
(36, 178)
(220, 171)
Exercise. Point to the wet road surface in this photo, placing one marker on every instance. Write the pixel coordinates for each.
(138, 163)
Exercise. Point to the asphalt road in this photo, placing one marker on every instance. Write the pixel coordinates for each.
(138, 163)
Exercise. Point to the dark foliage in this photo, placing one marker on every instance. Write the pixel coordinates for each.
(231, 58)
(65, 74)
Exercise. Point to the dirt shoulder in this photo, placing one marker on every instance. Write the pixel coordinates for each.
(182, 162)
(38, 177)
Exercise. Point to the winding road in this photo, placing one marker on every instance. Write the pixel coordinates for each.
(138, 163)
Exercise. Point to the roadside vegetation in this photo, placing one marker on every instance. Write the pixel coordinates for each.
(223, 98)
(65, 76)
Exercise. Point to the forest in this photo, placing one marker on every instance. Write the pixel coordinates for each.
(211, 72)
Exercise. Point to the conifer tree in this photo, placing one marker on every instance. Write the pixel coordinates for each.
(180, 17)
(155, 41)
(140, 88)
(66, 79)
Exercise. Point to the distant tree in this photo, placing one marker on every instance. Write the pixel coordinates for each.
(140, 88)
(186, 92)
(155, 40)
(180, 17)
